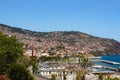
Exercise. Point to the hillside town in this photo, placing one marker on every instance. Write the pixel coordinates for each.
(65, 55)
(63, 42)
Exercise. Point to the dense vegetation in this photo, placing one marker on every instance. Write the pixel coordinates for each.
(19, 72)
(11, 52)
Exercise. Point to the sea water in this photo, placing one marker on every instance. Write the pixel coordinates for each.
(115, 58)
(112, 58)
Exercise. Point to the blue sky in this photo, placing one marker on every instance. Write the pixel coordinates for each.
(96, 17)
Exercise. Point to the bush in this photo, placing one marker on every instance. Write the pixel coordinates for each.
(19, 72)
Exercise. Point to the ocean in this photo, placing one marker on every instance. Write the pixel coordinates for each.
(113, 58)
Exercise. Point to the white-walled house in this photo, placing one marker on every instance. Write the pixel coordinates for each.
(45, 69)
(44, 54)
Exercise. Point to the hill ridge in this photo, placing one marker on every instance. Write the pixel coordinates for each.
(63, 42)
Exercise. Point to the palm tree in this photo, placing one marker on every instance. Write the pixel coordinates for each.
(78, 75)
(34, 64)
(84, 65)
(100, 75)
(64, 75)
(65, 59)
(60, 75)
(53, 77)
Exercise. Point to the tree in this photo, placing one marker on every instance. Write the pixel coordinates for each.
(24, 60)
(53, 77)
(10, 50)
(84, 64)
(100, 75)
(19, 72)
(78, 75)
(34, 64)
(65, 59)
(64, 75)
(60, 75)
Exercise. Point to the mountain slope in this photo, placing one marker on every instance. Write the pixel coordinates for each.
(67, 42)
